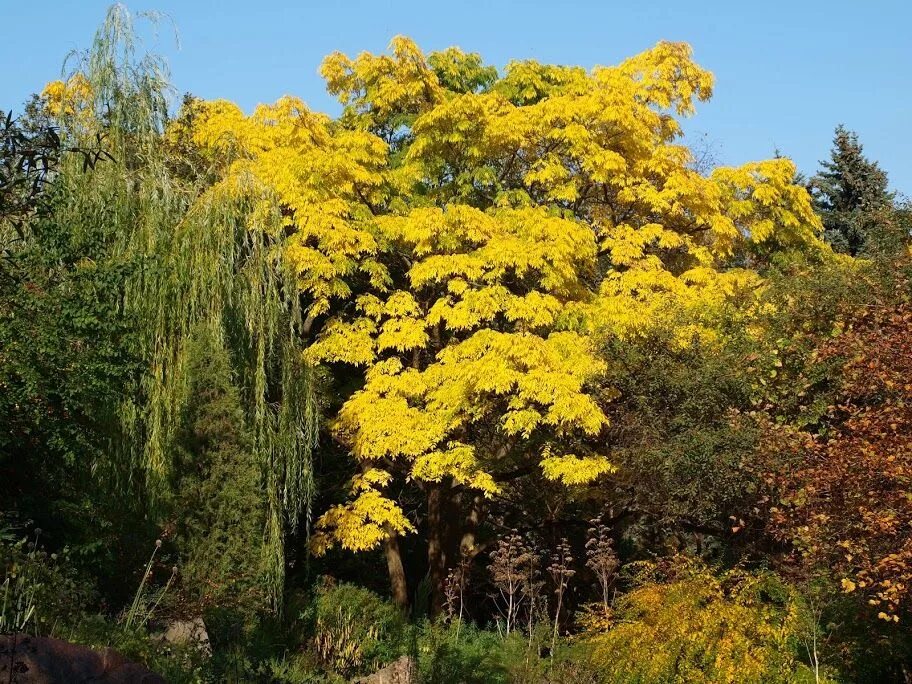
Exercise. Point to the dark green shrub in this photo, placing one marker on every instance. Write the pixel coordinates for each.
(40, 593)
(467, 656)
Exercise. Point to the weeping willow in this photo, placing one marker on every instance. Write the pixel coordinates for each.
(224, 269)
(195, 255)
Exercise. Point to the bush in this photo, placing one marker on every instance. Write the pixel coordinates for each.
(466, 656)
(352, 630)
(696, 626)
(470, 655)
(39, 592)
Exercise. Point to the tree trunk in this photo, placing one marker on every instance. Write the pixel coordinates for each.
(398, 583)
(473, 520)
(437, 561)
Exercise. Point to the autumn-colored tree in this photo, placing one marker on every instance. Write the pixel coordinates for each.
(465, 239)
(847, 505)
(684, 623)
(519, 300)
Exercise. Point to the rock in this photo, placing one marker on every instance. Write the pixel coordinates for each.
(402, 671)
(183, 632)
(40, 660)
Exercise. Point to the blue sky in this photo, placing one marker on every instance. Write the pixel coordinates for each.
(786, 72)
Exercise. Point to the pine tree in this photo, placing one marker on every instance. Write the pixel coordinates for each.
(848, 193)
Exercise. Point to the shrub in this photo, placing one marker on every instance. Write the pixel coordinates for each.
(469, 656)
(695, 626)
(353, 630)
(40, 593)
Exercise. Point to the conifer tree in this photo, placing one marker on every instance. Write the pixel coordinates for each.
(221, 501)
(848, 192)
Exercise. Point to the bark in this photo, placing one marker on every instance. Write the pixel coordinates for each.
(437, 557)
(467, 545)
(398, 583)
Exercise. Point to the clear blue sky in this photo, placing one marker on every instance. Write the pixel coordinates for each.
(786, 72)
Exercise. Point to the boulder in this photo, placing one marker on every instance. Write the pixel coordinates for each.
(402, 671)
(40, 660)
(189, 632)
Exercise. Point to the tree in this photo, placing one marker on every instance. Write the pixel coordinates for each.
(848, 192)
(681, 442)
(199, 261)
(66, 350)
(220, 501)
(66, 362)
(467, 247)
(29, 156)
(845, 503)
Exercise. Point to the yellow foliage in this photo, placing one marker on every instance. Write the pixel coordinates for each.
(702, 628)
(366, 521)
(766, 205)
(381, 91)
(468, 241)
(458, 462)
(573, 470)
(71, 101)
(325, 180)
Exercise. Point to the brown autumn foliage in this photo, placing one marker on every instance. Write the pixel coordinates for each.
(846, 504)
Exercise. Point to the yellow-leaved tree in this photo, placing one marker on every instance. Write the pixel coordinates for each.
(466, 239)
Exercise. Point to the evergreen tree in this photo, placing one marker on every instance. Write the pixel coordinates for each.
(848, 192)
(221, 502)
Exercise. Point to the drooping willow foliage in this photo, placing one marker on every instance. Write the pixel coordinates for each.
(223, 270)
(195, 256)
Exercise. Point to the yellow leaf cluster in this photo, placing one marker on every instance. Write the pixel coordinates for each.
(366, 521)
(71, 101)
(324, 179)
(573, 470)
(703, 628)
(381, 92)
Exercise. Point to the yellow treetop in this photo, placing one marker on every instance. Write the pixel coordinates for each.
(71, 102)
(467, 240)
